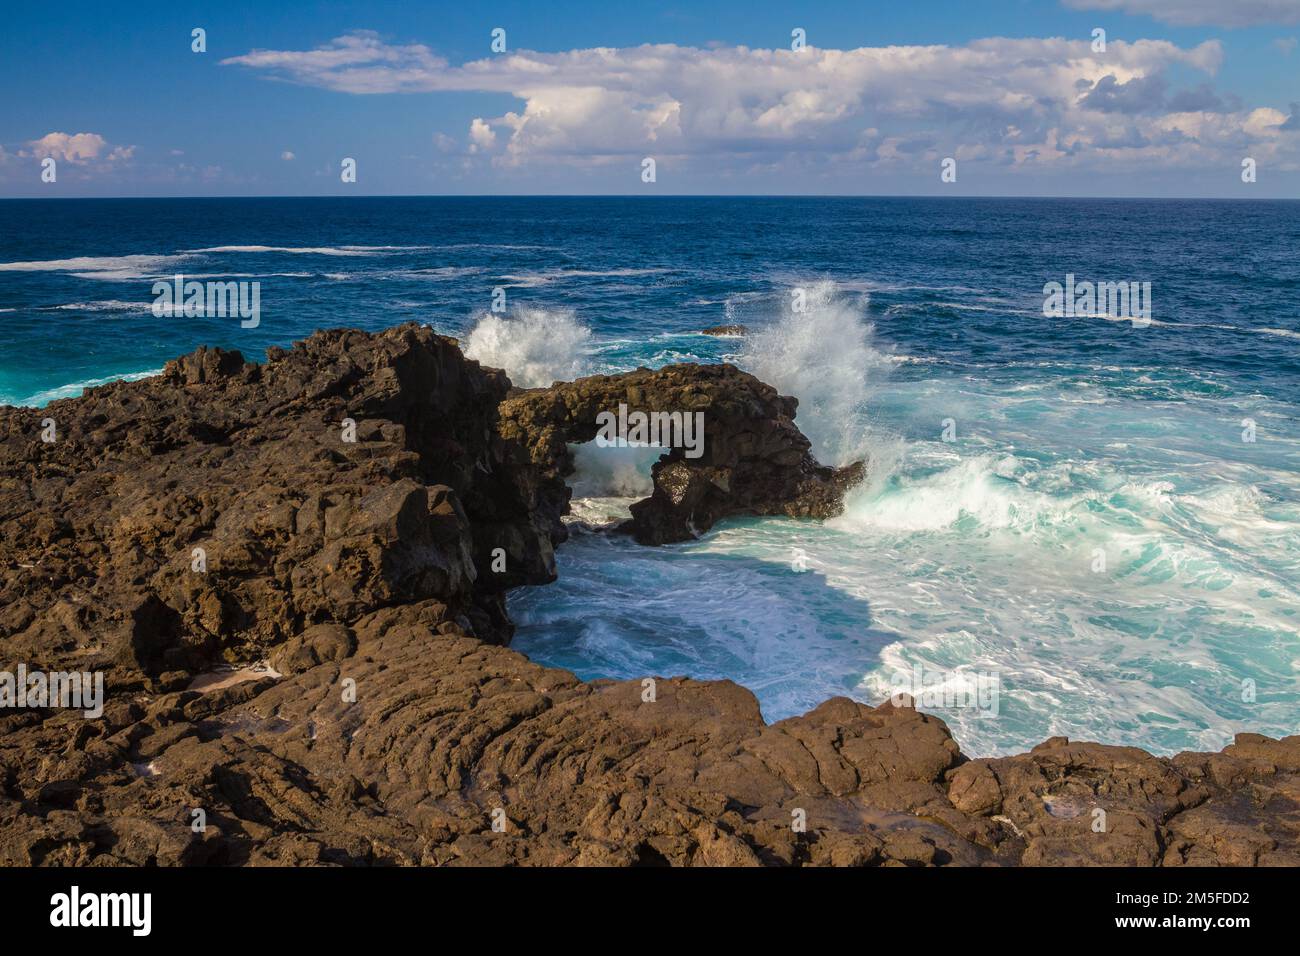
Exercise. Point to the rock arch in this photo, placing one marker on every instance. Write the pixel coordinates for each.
(754, 461)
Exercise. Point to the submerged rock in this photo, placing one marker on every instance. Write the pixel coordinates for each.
(221, 514)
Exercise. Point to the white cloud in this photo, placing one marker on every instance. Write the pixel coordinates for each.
(481, 136)
(1285, 44)
(1046, 101)
(358, 62)
(286, 156)
(1223, 13)
(80, 149)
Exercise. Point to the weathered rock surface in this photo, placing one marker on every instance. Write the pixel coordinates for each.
(250, 465)
(400, 729)
(754, 460)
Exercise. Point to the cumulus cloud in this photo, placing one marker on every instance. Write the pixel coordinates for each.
(1142, 94)
(1223, 13)
(80, 149)
(481, 135)
(1009, 101)
(287, 156)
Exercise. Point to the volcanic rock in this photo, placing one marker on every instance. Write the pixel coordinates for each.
(754, 460)
(221, 512)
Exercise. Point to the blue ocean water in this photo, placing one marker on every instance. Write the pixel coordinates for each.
(1068, 504)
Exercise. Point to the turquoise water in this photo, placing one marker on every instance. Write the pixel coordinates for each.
(980, 556)
(972, 554)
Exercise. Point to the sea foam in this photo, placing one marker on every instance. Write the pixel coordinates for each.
(536, 347)
(108, 268)
(826, 357)
(316, 250)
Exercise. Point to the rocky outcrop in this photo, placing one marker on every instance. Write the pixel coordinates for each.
(752, 460)
(222, 507)
(393, 725)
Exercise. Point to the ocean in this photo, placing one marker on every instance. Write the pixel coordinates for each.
(1100, 515)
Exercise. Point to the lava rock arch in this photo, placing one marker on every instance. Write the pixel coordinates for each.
(754, 460)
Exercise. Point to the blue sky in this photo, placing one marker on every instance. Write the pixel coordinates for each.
(1013, 90)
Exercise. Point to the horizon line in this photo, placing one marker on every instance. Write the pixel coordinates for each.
(657, 196)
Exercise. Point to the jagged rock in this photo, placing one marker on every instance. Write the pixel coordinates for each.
(734, 328)
(754, 460)
(247, 470)
(400, 730)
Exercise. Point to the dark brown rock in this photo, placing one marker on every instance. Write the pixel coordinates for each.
(754, 460)
(402, 731)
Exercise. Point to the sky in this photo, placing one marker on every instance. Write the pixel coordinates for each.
(1023, 96)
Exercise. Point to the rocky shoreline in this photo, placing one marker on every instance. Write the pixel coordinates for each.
(353, 512)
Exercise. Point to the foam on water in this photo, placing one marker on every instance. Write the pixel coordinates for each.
(826, 357)
(72, 389)
(1073, 438)
(316, 250)
(104, 305)
(612, 472)
(107, 268)
(976, 555)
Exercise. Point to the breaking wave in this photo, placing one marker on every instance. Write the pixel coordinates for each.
(114, 268)
(612, 472)
(826, 357)
(536, 347)
(72, 389)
